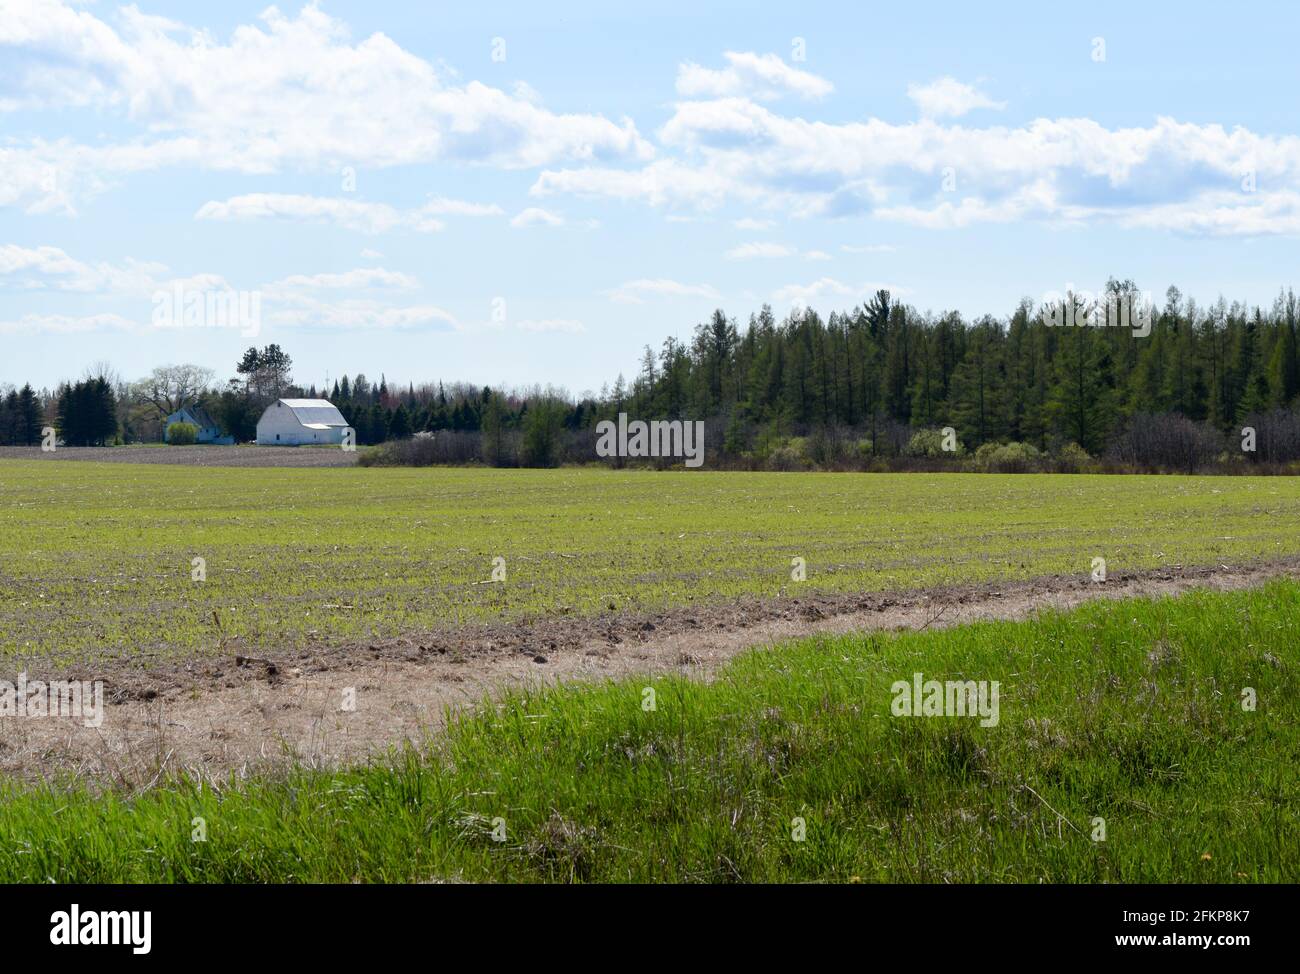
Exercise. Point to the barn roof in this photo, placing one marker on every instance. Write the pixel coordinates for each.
(315, 413)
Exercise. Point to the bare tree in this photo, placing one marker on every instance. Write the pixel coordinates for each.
(169, 387)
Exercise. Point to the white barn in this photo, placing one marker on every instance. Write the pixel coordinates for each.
(298, 422)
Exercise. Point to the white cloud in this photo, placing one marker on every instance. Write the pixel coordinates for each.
(362, 277)
(286, 92)
(749, 223)
(331, 301)
(526, 92)
(762, 76)
(358, 314)
(299, 93)
(1071, 170)
(1037, 199)
(749, 251)
(292, 301)
(634, 292)
(41, 261)
(46, 267)
(950, 97)
(1224, 214)
(67, 324)
(536, 217)
(665, 182)
(369, 254)
(868, 248)
(351, 214)
(442, 206)
(816, 255)
(830, 289)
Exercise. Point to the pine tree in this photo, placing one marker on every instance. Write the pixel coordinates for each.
(1077, 402)
(1282, 375)
(493, 429)
(28, 420)
(399, 427)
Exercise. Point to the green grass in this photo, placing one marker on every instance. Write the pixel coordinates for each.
(1128, 711)
(96, 558)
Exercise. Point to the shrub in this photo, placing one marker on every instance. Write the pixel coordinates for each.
(1277, 437)
(1167, 442)
(1007, 458)
(1072, 458)
(423, 450)
(182, 434)
(787, 458)
(829, 446)
(929, 443)
(769, 440)
(543, 425)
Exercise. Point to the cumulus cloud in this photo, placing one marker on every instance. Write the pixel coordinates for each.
(299, 92)
(47, 267)
(950, 97)
(1224, 214)
(285, 92)
(1070, 170)
(763, 76)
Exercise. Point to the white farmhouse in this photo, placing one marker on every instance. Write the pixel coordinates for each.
(297, 422)
(209, 430)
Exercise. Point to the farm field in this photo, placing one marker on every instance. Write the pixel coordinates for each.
(1122, 752)
(96, 560)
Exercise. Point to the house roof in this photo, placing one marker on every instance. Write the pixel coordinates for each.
(198, 413)
(315, 413)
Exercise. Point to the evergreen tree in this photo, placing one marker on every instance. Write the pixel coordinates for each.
(27, 430)
(399, 427)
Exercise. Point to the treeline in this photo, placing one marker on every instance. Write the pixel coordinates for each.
(22, 417)
(866, 388)
(84, 413)
(1019, 380)
(87, 413)
(379, 413)
(858, 389)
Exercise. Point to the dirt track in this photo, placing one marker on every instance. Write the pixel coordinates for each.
(211, 717)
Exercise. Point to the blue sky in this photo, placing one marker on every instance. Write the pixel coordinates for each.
(517, 195)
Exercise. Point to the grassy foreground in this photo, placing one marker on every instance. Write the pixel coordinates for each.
(1128, 711)
(97, 559)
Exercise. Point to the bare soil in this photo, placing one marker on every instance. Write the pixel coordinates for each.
(193, 456)
(214, 716)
